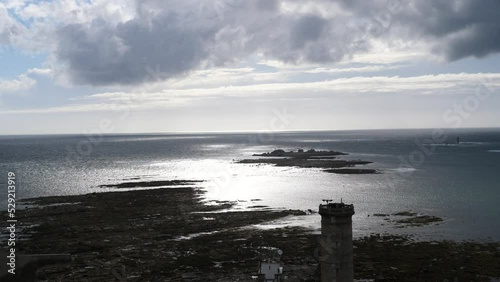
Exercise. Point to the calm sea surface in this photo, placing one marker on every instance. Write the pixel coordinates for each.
(460, 183)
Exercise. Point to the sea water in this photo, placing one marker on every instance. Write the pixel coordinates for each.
(457, 182)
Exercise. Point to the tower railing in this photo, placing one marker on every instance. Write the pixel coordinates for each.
(336, 209)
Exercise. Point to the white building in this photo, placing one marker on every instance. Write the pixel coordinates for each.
(270, 271)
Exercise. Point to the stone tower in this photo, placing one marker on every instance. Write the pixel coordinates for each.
(335, 252)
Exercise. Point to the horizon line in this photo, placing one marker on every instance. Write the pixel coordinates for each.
(243, 131)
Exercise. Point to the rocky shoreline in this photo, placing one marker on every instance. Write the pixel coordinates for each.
(409, 219)
(172, 234)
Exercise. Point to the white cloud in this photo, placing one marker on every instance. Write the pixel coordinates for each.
(14, 4)
(400, 85)
(388, 56)
(43, 72)
(9, 28)
(375, 68)
(450, 84)
(22, 82)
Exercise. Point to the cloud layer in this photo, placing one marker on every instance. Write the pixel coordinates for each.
(129, 42)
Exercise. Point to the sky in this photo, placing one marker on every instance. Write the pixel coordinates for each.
(127, 66)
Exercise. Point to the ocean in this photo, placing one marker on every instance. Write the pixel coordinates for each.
(433, 176)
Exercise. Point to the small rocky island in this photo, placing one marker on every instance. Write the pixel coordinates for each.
(311, 159)
(151, 184)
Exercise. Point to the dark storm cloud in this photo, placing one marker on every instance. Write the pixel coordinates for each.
(454, 29)
(307, 29)
(174, 43)
(459, 28)
(479, 40)
(270, 5)
(177, 37)
(101, 54)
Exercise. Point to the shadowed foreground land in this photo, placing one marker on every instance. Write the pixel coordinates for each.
(144, 236)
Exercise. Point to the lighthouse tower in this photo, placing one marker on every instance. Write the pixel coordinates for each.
(335, 253)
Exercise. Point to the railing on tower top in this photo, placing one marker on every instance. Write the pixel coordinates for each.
(336, 209)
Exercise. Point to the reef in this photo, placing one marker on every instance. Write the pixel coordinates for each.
(311, 159)
(352, 171)
(149, 184)
(300, 153)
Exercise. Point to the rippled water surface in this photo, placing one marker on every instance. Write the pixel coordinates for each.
(458, 182)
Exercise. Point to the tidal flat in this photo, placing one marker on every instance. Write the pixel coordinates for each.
(173, 234)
